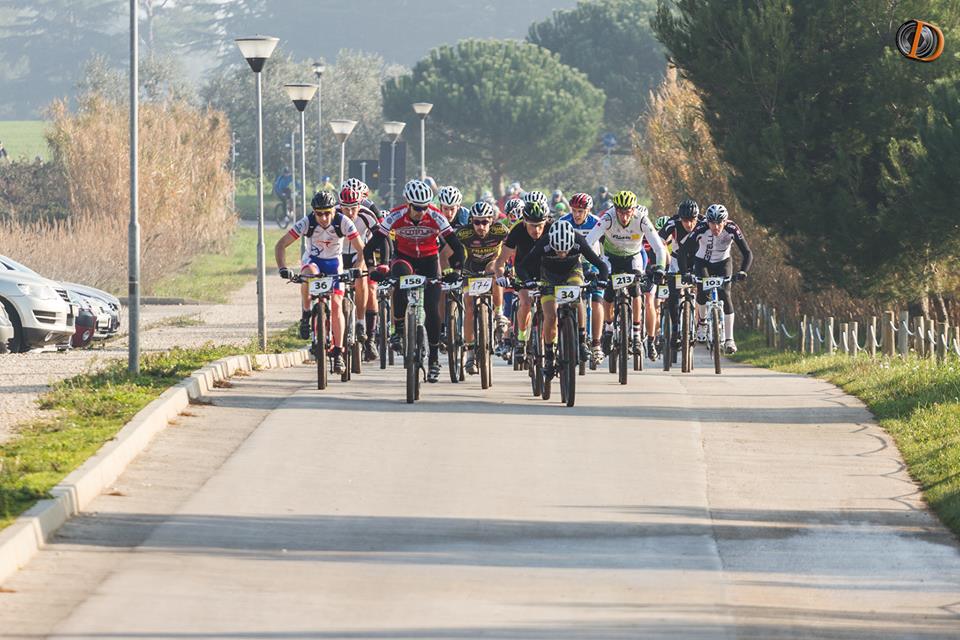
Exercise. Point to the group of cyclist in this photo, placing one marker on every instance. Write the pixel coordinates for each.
(525, 242)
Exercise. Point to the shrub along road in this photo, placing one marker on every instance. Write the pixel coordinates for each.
(755, 504)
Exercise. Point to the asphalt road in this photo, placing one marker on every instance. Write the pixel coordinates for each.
(748, 505)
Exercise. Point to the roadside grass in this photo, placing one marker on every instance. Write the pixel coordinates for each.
(213, 277)
(89, 410)
(24, 139)
(176, 321)
(916, 400)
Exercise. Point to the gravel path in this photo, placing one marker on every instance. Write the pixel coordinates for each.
(24, 376)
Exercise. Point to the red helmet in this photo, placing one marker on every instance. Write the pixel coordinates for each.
(350, 196)
(581, 201)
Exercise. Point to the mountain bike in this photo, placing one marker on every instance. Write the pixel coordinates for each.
(667, 351)
(321, 287)
(534, 356)
(283, 212)
(622, 346)
(568, 342)
(480, 290)
(385, 321)
(453, 321)
(688, 305)
(415, 333)
(711, 285)
(352, 349)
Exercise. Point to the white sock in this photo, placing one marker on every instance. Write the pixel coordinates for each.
(728, 326)
(702, 312)
(608, 326)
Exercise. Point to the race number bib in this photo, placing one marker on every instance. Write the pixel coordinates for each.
(479, 286)
(622, 280)
(712, 283)
(566, 295)
(412, 282)
(663, 292)
(321, 286)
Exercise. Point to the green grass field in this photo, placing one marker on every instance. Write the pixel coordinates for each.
(24, 139)
(916, 400)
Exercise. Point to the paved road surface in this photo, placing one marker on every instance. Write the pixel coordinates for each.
(750, 505)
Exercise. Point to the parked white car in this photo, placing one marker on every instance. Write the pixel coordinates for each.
(39, 310)
(6, 330)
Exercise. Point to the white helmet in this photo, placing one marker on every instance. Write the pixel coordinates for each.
(562, 236)
(482, 210)
(717, 213)
(535, 196)
(417, 192)
(450, 196)
(356, 183)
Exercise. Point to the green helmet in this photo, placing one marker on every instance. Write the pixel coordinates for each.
(661, 222)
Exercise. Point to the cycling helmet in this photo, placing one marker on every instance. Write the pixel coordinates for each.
(324, 200)
(513, 208)
(562, 236)
(642, 211)
(558, 193)
(350, 196)
(537, 196)
(417, 192)
(717, 213)
(688, 209)
(356, 183)
(625, 200)
(535, 212)
(483, 210)
(450, 196)
(581, 201)
(661, 222)
(560, 208)
(515, 189)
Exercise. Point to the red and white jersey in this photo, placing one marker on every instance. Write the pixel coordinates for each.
(416, 239)
(325, 243)
(366, 223)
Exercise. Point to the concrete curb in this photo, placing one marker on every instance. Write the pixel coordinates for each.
(26, 536)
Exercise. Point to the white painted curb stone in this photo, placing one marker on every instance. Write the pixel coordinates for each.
(26, 536)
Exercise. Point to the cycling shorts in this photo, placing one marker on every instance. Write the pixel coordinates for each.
(327, 266)
(574, 277)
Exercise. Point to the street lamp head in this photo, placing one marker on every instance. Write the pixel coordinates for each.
(422, 108)
(394, 129)
(257, 50)
(301, 94)
(342, 129)
(319, 67)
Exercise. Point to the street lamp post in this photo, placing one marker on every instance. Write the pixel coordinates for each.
(342, 130)
(393, 129)
(257, 51)
(301, 94)
(133, 246)
(422, 109)
(318, 68)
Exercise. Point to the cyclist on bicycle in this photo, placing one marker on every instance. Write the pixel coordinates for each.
(624, 227)
(518, 245)
(513, 209)
(481, 243)
(708, 248)
(451, 205)
(673, 233)
(583, 222)
(283, 186)
(417, 225)
(366, 222)
(325, 230)
(555, 259)
(364, 189)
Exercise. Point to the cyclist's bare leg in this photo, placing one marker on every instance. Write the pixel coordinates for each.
(336, 302)
(597, 321)
(549, 321)
(648, 301)
(523, 312)
(468, 336)
(307, 270)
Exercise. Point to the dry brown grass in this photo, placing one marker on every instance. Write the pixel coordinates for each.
(184, 194)
(675, 146)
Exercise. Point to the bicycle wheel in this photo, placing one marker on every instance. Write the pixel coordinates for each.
(717, 336)
(454, 344)
(481, 328)
(686, 342)
(571, 343)
(535, 355)
(280, 215)
(421, 356)
(347, 341)
(382, 334)
(410, 359)
(623, 337)
(638, 349)
(666, 330)
(319, 346)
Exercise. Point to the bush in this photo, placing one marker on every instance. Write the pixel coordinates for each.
(184, 193)
(32, 192)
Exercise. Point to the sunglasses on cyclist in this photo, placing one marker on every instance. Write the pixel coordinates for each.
(420, 209)
(480, 223)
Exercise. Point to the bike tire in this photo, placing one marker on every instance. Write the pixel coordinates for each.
(410, 360)
(717, 333)
(535, 368)
(639, 350)
(624, 348)
(383, 335)
(572, 341)
(320, 332)
(482, 349)
(453, 344)
(421, 356)
(666, 331)
(280, 215)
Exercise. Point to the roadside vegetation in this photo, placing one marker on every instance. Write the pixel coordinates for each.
(916, 400)
(88, 410)
(24, 139)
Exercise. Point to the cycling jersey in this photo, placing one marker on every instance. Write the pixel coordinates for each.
(673, 234)
(585, 227)
(620, 240)
(416, 239)
(324, 243)
(480, 251)
(366, 223)
(544, 262)
(701, 243)
(520, 241)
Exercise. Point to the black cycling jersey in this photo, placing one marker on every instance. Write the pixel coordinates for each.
(543, 259)
(702, 244)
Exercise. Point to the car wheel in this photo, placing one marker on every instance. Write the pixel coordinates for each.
(17, 343)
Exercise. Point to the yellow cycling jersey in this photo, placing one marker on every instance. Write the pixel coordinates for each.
(480, 251)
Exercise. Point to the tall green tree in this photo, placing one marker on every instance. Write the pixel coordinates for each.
(803, 99)
(612, 42)
(511, 106)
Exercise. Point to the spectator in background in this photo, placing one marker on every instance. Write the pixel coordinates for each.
(513, 191)
(3, 151)
(326, 185)
(603, 201)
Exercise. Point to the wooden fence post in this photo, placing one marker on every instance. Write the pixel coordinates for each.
(919, 336)
(942, 329)
(872, 337)
(854, 338)
(903, 340)
(814, 346)
(845, 338)
(775, 328)
(886, 333)
(828, 335)
(802, 334)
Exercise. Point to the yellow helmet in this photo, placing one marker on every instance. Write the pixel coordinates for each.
(625, 200)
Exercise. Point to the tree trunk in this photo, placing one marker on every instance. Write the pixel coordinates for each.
(939, 306)
(919, 307)
(496, 181)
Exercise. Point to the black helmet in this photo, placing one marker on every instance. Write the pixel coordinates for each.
(324, 200)
(534, 211)
(688, 209)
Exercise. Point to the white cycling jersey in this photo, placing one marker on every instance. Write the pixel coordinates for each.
(366, 223)
(326, 243)
(620, 240)
(715, 248)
